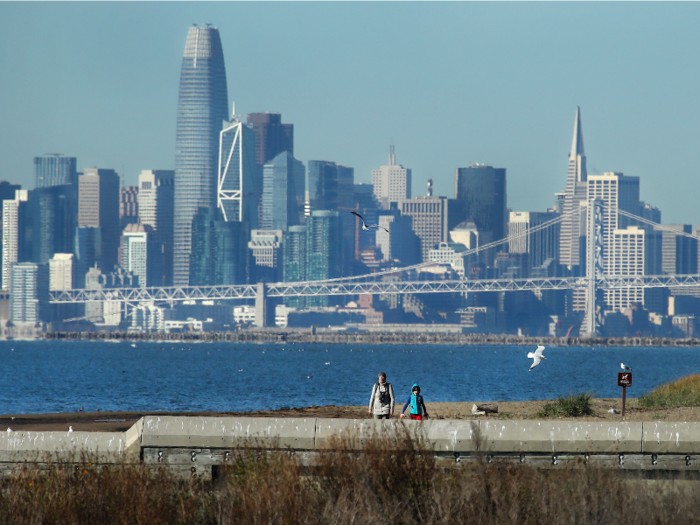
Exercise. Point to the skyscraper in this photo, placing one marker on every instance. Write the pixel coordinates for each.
(29, 292)
(98, 207)
(53, 169)
(202, 107)
(156, 194)
(128, 206)
(482, 191)
(237, 195)
(12, 230)
(271, 136)
(50, 221)
(576, 192)
(283, 192)
(391, 182)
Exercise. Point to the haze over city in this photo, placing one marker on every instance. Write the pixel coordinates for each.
(449, 84)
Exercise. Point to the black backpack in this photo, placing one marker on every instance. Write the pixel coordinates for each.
(384, 397)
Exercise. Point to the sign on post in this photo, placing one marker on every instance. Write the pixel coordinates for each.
(624, 379)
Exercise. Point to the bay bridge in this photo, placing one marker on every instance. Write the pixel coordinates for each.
(594, 279)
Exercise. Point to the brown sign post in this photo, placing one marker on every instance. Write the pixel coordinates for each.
(624, 379)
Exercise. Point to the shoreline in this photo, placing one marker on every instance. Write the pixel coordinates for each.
(326, 336)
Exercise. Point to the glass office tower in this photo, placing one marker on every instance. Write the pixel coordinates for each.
(201, 109)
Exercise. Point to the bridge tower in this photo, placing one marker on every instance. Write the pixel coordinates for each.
(594, 265)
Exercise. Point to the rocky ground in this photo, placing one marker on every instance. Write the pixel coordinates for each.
(120, 421)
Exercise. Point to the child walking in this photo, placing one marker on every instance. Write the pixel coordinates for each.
(418, 410)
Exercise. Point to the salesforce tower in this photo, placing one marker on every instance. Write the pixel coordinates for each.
(201, 108)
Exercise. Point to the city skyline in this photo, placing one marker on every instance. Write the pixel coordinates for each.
(351, 97)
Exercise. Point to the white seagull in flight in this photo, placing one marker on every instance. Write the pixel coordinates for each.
(367, 227)
(536, 356)
(625, 367)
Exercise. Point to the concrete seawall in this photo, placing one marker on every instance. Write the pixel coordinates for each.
(199, 445)
(374, 338)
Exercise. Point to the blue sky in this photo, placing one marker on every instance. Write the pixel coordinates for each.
(450, 83)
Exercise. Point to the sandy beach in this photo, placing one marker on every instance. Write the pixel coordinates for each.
(120, 421)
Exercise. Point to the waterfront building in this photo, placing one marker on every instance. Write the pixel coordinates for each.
(156, 209)
(29, 292)
(391, 182)
(202, 107)
(576, 192)
(237, 197)
(98, 207)
(283, 193)
(481, 189)
(13, 244)
(54, 169)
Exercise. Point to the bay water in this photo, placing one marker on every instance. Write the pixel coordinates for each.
(63, 376)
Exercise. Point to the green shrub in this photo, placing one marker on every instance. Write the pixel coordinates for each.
(573, 405)
(683, 392)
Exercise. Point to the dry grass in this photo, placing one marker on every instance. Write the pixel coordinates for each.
(684, 392)
(392, 478)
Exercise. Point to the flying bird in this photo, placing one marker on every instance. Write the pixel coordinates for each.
(365, 226)
(536, 357)
(625, 367)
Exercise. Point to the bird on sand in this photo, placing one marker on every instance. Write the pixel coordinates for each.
(70, 429)
(536, 357)
(366, 226)
(625, 367)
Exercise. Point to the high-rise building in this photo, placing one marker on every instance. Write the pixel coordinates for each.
(283, 193)
(576, 192)
(237, 197)
(324, 255)
(540, 245)
(88, 246)
(391, 182)
(142, 254)
(98, 207)
(29, 292)
(61, 268)
(51, 221)
(400, 243)
(623, 245)
(265, 247)
(679, 254)
(54, 169)
(219, 250)
(294, 260)
(201, 109)
(271, 136)
(156, 208)
(626, 257)
(13, 245)
(128, 206)
(433, 217)
(482, 191)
